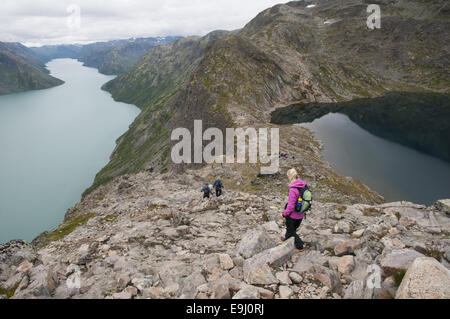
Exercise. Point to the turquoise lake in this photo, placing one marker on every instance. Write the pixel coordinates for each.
(53, 142)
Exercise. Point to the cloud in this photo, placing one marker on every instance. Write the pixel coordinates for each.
(37, 22)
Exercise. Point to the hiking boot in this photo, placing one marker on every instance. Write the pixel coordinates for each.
(300, 250)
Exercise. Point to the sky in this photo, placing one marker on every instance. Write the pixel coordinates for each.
(39, 22)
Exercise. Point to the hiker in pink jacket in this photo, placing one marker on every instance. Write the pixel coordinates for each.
(293, 218)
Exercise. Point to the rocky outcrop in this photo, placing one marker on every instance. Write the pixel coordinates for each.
(425, 279)
(443, 205)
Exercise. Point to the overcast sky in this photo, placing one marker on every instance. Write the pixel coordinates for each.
(38, 22)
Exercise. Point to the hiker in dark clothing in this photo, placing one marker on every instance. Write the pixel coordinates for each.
(206, 191)
(293, 218)
(218, 185)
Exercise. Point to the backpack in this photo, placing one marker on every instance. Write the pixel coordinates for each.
(304, 201)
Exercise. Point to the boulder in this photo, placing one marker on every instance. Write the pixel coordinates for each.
(272, 227)
(132, 290)
(15, 252)
(283, 278)
(122, 295)
(254, 242)
(307, 261)
(346, 264)
(191, 283)
(265, 293)
(261, 275)
(285, 292)
(274, 257)
(392, 243)
(426, 278)
(342, 227)
(221, 290)
(398, 260)
(225, 261)
(296, 278)
(24, 266)
(123, 280)
(249, 292)
(347, 247)
(359, 233)
(42, 283)
(333, 263)
(142, 283)
(327, 277)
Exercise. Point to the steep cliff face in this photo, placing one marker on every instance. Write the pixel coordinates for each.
(291, 53)
(22, 70)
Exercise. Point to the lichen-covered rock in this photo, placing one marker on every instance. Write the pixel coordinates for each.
(426, 278)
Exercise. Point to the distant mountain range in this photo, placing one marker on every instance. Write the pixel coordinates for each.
(21, 70)
(111, 58)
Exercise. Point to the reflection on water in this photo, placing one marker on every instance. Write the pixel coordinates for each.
(394, 171)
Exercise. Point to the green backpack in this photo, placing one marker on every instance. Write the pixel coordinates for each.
(304, 201)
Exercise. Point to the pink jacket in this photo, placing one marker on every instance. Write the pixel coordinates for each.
(293, 198)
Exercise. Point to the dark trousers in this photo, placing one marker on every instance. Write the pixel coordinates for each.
(291, 231)
(218, 192)
(205, 195)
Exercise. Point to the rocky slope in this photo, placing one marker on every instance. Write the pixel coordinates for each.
(22, 70)
(150, 236)
(138, 234)
(288, 54)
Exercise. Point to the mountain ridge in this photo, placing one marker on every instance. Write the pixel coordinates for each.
(109, 57)
(287, 54)
(22, 70)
